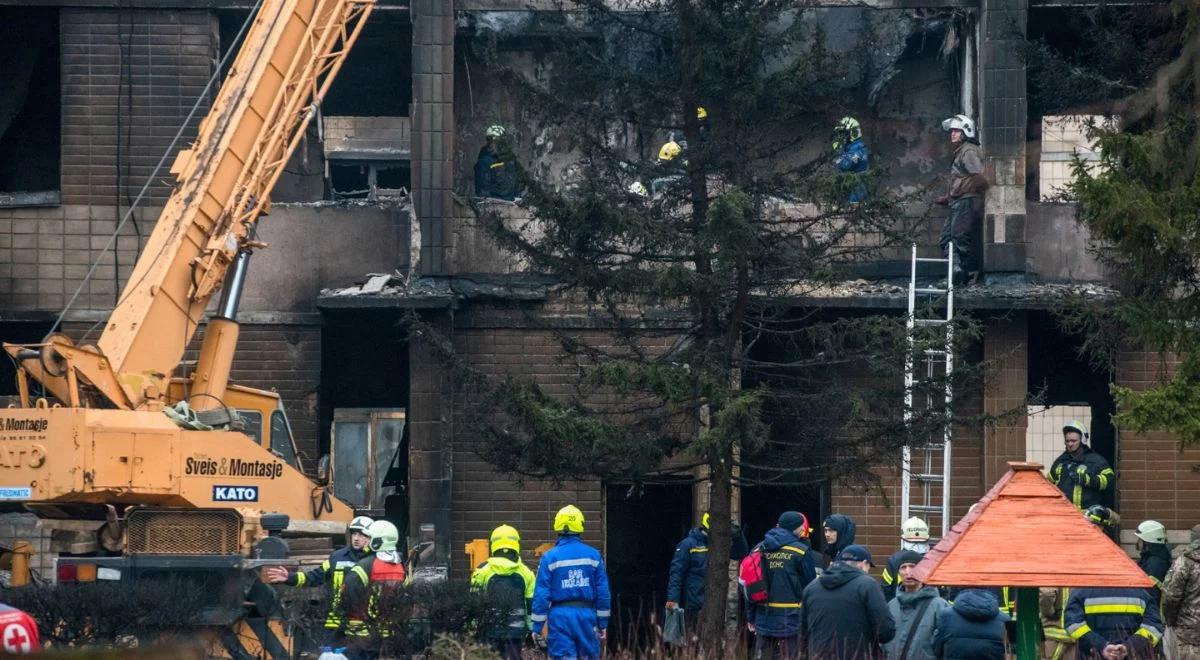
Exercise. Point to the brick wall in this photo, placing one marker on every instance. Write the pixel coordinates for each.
(168, 57)
(1006, 356)
(1155, 478)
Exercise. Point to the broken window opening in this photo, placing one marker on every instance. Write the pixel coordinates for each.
(376, 78)
(30, 107)
(370, 180)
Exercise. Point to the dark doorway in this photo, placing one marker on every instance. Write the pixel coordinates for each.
(364, 364)
(1060, 376)
(644, 525)
(761, 506)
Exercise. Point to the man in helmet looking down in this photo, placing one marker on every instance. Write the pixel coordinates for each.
(571, 600)
(852, 154)
(331, 574)
(508, 584)
(1080, 473)
(495, 176)
(374, 579)
(964, 196)
(1155, 556)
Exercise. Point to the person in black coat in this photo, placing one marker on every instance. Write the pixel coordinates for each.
(839, 534)
(685, 583)
(844, 614)
(776, 623)
(971, 629)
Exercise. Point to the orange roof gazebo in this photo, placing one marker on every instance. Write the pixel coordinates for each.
(1024, 533)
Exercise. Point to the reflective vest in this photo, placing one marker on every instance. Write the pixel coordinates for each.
(331, 571)
(378, 577)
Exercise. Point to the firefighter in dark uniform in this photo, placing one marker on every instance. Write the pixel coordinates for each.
(1113, 622)
(1080, 473)
(370, 581)
(331, 574)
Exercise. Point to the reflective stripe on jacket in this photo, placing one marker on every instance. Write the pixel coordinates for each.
(331, 573)
(571, 572)
(510, 584)
(1083, 480)
(368, 580)
(1098, 616)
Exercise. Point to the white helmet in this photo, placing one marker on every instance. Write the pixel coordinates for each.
(914, 529)
(384, 536)
(638, 188)
(494, 131)
(962, 123)
(360, 524)
(1151, 531)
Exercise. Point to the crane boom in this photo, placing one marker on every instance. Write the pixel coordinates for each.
(289, 58)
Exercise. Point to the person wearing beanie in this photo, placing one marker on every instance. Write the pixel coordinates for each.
(915, 609)
(844, 614)
(789, 569)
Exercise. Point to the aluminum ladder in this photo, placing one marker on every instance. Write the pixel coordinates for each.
(929, 356)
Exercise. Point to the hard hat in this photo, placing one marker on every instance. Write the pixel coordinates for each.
(360, 524)
(914, 529)
(704, 520)
(384, 536)
(1151, 531)
(506, 537)
(494, 131)
(569, 519)
(1078, 427)
(962, 123)
(670, 151)
(701, 113)
(846, 131)
(1102, 515)
(638, 188)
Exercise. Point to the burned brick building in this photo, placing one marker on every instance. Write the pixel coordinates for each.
(370, 223)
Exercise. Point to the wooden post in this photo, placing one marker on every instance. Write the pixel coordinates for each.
(21, 553)
(1029, 624)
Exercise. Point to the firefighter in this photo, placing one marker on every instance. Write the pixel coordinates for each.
(508, 582)
(852, 154)
(1113, 622)
(1080, 473)
(685, 581)
(1155, 557)
(494, 175)
(964, 196)
(1052, 602)
(914, 537)
(571, 601)
(372, 580)
(331, 574)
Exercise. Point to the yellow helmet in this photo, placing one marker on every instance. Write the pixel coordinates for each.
(569, 519)
(704, 520)
(670, 151)
(506, 537)
(701, 113)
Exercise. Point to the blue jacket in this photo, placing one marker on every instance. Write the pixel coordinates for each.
(571, 572)
(789, 569)
(686, 582)
(971, 629)
(1098, 616)
(855, 159)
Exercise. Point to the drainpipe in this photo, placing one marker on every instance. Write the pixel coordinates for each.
(968, 71)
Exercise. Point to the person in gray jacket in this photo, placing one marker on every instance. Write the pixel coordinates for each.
(844, 614)
(915, 609)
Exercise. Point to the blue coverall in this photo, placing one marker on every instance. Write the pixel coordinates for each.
(855, 159)
(572, 594)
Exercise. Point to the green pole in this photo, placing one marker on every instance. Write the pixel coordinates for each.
(1029, 624)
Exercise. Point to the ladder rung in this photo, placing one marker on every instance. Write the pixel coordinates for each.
(932, 260)
(930, 321)
(931, 290)
(934, 351)
(924, 508)
(928, 477)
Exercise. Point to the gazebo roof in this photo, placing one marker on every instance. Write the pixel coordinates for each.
(1024, 533)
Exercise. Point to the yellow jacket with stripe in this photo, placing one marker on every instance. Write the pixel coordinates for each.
(511, 584)
(331, 573)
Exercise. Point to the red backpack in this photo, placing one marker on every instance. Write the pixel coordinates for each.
(752, 575)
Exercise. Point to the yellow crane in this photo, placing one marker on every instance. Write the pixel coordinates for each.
(92, 438)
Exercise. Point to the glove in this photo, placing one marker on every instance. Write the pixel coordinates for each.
(1082, 477)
